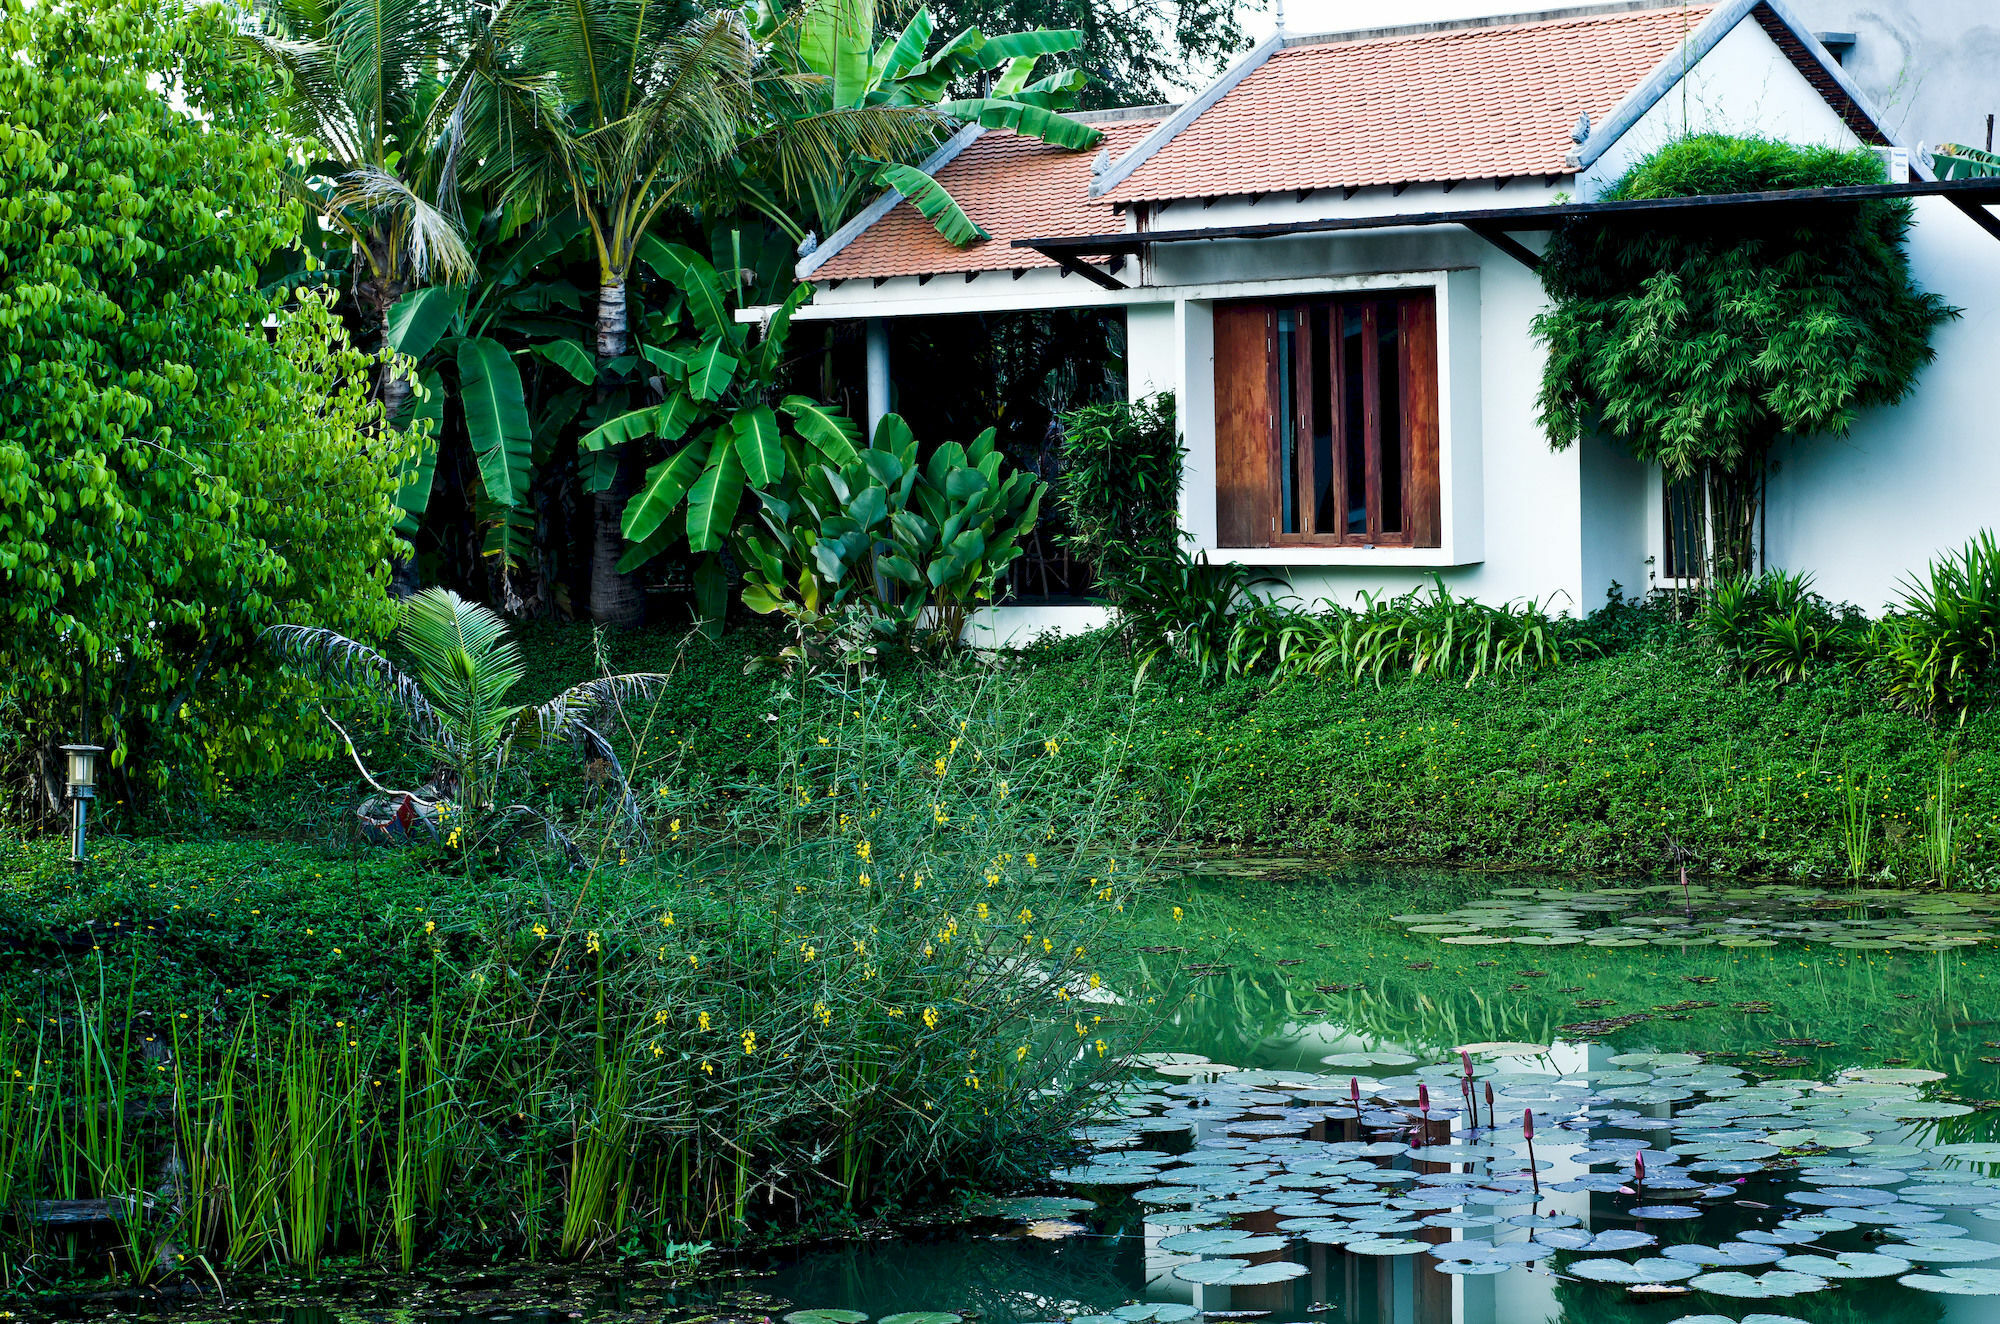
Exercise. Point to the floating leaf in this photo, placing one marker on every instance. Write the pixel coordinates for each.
(1778, 1282)
(1956, 1282)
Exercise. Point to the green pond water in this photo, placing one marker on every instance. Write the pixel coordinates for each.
(1810, 1076)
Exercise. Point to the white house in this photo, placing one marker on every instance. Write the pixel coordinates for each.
(1326, 256)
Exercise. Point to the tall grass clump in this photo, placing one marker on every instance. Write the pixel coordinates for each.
(1937, 650)
(1773, 626)
(1431, 632)
(883, 978)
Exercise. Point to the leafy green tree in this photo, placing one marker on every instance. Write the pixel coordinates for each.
(1700, 343)
(1134, 54)
(360, 81)
(185, 458)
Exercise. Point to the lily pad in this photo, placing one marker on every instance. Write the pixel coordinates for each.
(1956, 1282)
(924, 1317)
(1632, 1273)
(1236, 1273)
(826, 1317)
(1854, 1264)
(1778, 1282)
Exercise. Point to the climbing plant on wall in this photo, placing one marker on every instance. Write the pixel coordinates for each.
(1699, 344)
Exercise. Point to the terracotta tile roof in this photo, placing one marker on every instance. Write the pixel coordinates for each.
(1014, 187)
(1469, 103)
(1816, 73)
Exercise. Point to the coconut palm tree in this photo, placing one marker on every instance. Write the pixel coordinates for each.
(630, 111)
(360, 80)
(452, 702)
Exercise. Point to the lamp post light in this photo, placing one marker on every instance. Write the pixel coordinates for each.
(82, 790)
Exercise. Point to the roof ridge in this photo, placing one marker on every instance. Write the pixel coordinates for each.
(1445, 27)
(1116, 114)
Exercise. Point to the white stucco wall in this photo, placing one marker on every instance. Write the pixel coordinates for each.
(1862, 512)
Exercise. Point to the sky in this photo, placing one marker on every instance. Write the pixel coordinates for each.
(1333, 15)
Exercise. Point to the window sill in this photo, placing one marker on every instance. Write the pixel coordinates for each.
(1421, 558)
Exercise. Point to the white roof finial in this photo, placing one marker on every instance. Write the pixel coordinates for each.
(1281, 17)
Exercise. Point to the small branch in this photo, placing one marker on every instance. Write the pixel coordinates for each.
(349, 742)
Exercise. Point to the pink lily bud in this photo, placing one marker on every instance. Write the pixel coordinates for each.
(1528, 1122)
(1354, 1089)
(1466, 1058)
(1423, 1098)
(1639, 1166)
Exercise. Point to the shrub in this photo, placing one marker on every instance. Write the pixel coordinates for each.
(1938, 649)
(1120, 489)
(1774, 626)
(173, 476)
(889, 540)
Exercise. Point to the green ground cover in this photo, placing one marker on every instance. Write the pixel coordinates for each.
(1591, 767)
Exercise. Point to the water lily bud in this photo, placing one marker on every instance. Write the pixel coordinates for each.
(1528, 1122)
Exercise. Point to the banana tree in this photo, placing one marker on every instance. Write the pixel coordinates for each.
(470, 342)
(718, 384)
(1956, 161)
(897, 541)
(844, 65)
(625, 112)
(452, 705)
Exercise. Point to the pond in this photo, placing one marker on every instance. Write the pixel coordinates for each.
(1746, 1104)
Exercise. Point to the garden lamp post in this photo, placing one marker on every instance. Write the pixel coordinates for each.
(82, 790)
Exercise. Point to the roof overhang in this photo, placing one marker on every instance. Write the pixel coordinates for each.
(1497, 225)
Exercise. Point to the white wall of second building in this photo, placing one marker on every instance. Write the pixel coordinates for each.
(1861, 512)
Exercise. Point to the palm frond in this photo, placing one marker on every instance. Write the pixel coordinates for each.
(351, 662)
(430, 240)
(464, 662)
(565, 717)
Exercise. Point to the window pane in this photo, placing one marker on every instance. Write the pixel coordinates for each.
(1389, 411)
(1354, 440)
(1681, 524)
(1288, 460)
(1326, 517)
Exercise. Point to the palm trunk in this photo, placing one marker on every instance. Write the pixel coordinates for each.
(374, 296)
(615, 599)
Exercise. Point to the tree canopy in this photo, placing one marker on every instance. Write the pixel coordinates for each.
(185, 456)
(1699, 343)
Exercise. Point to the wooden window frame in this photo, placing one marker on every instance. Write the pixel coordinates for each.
(1417, 415)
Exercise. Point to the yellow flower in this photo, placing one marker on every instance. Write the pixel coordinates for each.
(1021, 1053)
(1100, 1048)
(927, 949)
(823, 1012)
(930, 1018)
(674, 827)
(693, 959)
(1051, 747)
(863, 849)
(1025, 915)
(1094, 980)
(541, 930)
(430, 926)
(749, 1042)
(1177, 914)
(972, 1080)
(808, 952)
(591, 942)
(864, 880)
(938, 767)
(667, 920)
(702, 1021)
(709, 1069)
(659, 1018)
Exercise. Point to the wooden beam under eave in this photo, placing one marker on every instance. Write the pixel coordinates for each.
(1507, 244)
(1981, 217)
(1072, 266)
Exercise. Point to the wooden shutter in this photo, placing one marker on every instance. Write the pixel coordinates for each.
(1244, 399)
(1420, 419)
